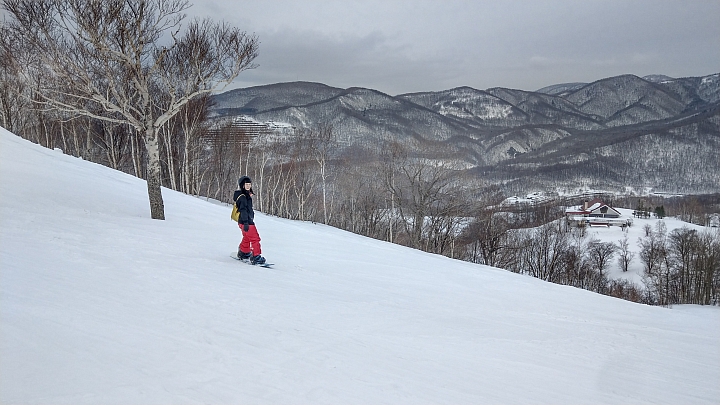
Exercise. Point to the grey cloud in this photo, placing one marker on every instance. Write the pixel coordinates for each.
(406, 46)
(341, 61)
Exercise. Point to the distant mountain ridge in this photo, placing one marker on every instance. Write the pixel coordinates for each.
(559, 131)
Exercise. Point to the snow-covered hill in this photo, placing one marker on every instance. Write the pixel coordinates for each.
(617, 132)
(100, 304)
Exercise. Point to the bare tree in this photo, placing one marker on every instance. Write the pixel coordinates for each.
(625, 256)
(695, 262)
(106, 55)
(224, 159)
(12, 90)
(542, 252)
(576, 266)
(417, 186)
(652, 249)
(683, 248)
(113, 139)
(488, 234)
(321, 143)
(707, 268)
(601, 253)
(191, 117)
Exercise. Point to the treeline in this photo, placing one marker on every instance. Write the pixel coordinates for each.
(553, 252)
(183, 154)
(682, 266)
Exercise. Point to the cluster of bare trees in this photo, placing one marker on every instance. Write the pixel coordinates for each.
(124, 63)
(683, 266)
(552, 252)
(555, 254)
(680, 267)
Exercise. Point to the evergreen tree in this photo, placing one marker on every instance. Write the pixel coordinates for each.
(660, 211)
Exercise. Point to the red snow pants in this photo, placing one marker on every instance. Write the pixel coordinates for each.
(250, 241)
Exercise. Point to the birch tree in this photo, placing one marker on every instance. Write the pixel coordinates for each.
(625, 255)
(125, 61)
(321, 143)
(11, 89)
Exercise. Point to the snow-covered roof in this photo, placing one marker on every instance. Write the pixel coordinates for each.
(596, 207)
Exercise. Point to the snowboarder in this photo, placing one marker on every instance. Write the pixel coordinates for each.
(249, 248)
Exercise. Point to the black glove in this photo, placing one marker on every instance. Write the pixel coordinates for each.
(246, 227)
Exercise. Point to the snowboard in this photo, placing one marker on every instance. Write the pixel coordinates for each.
(247, 261)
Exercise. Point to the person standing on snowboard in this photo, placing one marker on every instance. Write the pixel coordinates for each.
(250, 246)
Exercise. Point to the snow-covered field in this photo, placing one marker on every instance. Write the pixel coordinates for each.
(615, 234)
(101, 305)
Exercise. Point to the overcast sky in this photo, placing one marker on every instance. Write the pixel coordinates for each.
(399, 46)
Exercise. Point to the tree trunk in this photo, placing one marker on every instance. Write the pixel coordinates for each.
(187, 178)
(76, 141)
(154, 179)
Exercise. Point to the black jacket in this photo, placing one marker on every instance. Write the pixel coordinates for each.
(244, 204)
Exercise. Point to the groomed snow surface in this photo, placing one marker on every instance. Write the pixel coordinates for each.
(99, 304)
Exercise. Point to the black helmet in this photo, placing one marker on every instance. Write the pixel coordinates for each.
(242, 180)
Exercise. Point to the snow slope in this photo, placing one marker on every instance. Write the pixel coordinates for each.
(100, 304)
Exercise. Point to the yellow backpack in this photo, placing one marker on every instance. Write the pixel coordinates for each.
(235, 214)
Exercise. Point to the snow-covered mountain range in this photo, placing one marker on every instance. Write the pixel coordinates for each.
(615, 132)
(101, 304)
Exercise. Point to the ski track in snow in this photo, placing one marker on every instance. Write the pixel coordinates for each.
(100, 304)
